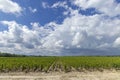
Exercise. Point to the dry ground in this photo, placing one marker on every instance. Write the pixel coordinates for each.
(96, 75)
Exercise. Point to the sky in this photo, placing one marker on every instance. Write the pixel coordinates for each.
(60, 27)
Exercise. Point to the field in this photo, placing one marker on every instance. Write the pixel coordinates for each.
(25, 63)
(63, 64)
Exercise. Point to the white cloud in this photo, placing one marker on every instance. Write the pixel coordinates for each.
(77, 39)
(110, 8)
(59, 4)
(75, 34)
(32, 10)
(117, 42)
(20, 39)
(56, 5)
(9, 6)
(45, 5)
(87, 32)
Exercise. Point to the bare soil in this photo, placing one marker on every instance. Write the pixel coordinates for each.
(87, 75)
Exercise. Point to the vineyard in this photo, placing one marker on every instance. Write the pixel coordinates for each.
(47, 64)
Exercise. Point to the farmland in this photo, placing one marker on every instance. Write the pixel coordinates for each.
(64, 64)
(25, 63)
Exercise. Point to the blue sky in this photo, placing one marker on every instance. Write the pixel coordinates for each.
(60, 27)
(42, 15)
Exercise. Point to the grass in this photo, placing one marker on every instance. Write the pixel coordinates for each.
(45, 64)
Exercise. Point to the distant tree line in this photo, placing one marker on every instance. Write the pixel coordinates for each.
(10, 55)
(3, 54)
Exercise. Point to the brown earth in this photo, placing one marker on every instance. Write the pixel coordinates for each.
(87, 75)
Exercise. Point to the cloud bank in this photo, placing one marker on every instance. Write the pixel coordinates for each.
(78, 34)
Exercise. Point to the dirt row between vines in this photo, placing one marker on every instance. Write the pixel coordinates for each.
(96, 75)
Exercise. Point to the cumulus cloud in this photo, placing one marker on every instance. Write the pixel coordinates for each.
(85, 32)
(21, 38)
(9, 6)
(110, 8)
(117, 42)
(80, 32)
(76, 35)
